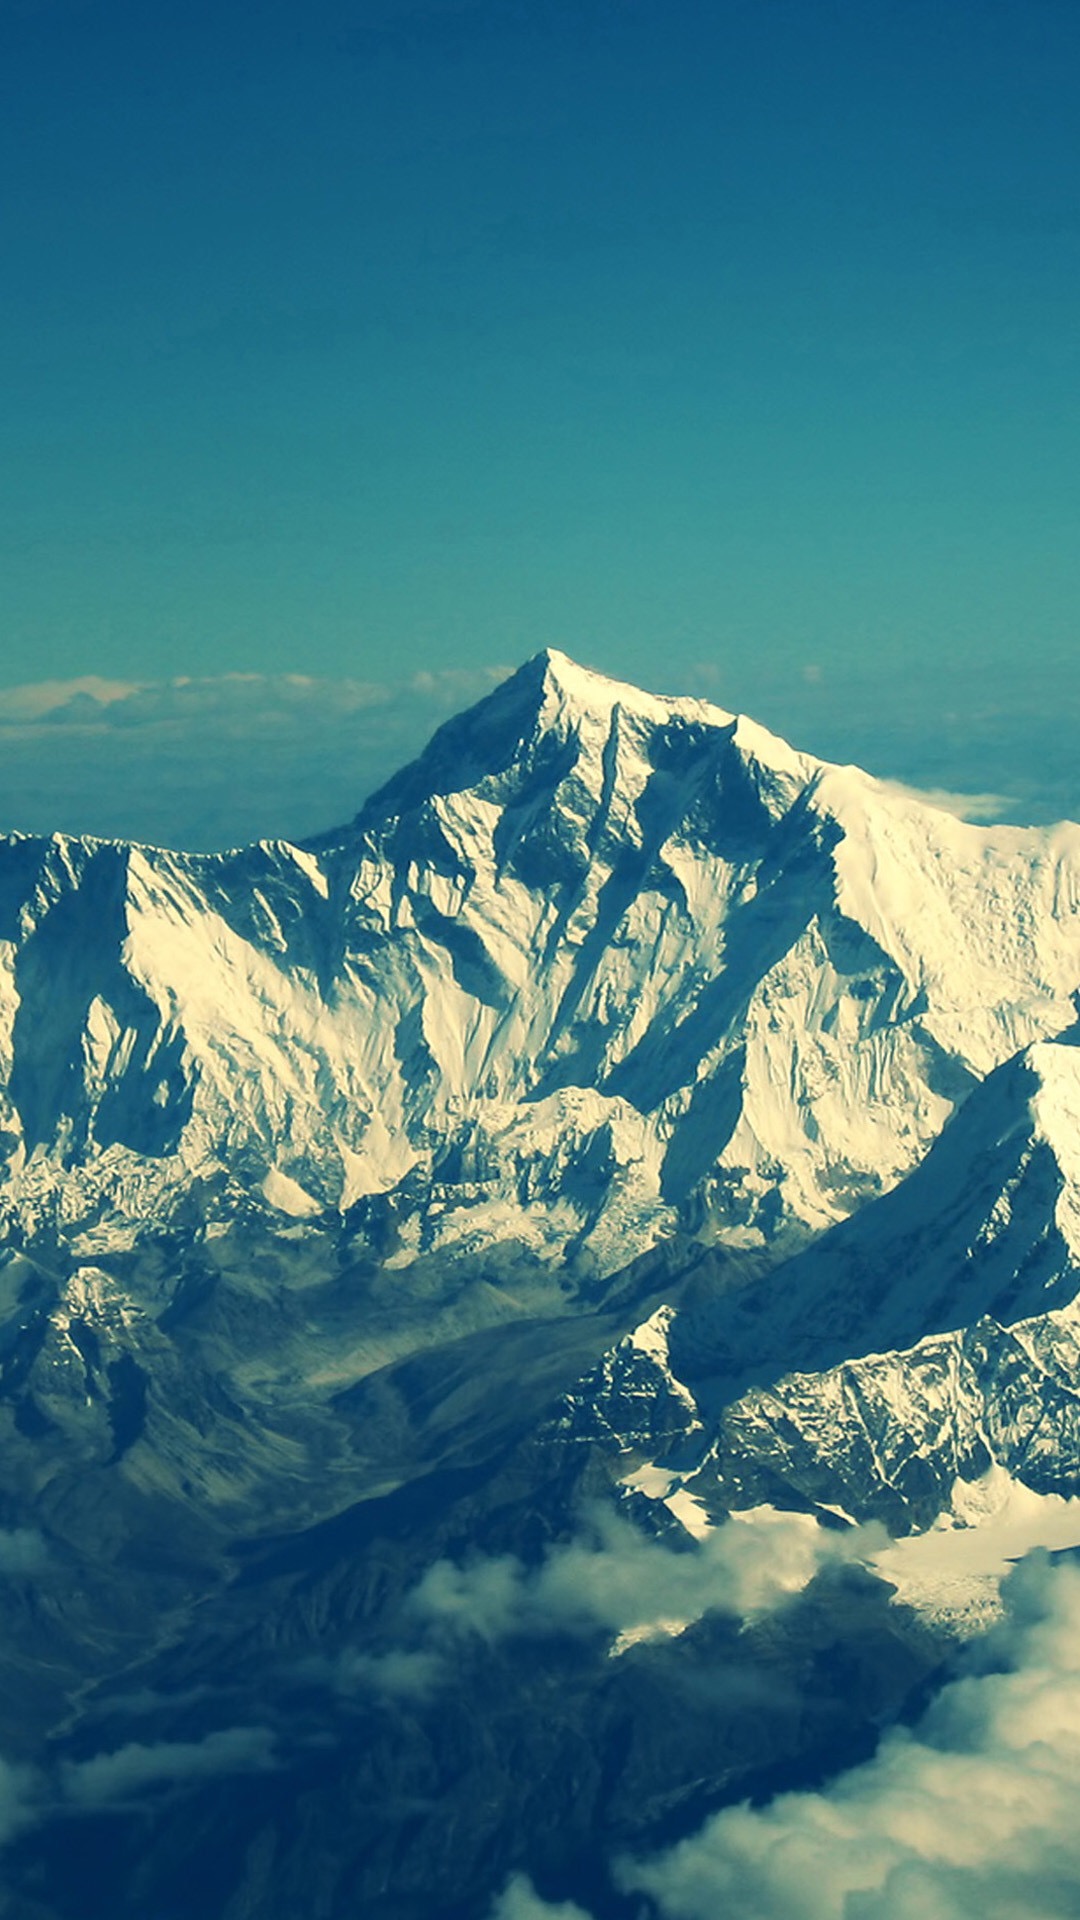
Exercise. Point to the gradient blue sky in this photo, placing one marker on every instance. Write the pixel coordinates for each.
(726, 342)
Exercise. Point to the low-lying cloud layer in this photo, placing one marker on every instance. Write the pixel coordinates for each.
(213, 762)
(612, 1580)
(109, 1779)
(30, 1796)
(402, 1673)
(219, 761)
(222, 760)
(626, 1583)
(974, 1816)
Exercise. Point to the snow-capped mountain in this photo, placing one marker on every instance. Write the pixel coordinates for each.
(627, 1122)
(598, 966)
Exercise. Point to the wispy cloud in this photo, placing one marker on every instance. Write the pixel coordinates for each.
(400, 1673)
(963, 806)
(621, 1581)
(109, 1779)
(83, 699)
(216, 761)
(612, 1580)
(33, 1796)
(224, 759)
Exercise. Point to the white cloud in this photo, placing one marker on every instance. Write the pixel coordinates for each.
(963, 806)
(401, 1673)
(614, 1580)
(976, 1816)
(30, 1797)
(22, 706)
(622, 1581)
(108, 1778)
(520, 1901)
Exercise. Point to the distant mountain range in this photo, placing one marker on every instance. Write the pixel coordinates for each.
(625, 1123)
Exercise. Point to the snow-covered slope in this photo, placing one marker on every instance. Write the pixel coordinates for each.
(987, 1225)
(599, 964)
(891, 1366)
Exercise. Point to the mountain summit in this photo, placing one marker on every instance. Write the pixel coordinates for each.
(551, 701)
(598, 966)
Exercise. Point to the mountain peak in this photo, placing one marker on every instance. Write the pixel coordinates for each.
(597, 693)
(552, 702)
(632, 940)
(583, 695)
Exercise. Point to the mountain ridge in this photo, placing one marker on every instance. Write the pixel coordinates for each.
(629, 932)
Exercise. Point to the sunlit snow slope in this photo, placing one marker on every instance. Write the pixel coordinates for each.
(598, 965)
(896, 1362)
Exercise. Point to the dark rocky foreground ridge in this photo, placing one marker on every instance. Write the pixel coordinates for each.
(417, 1244)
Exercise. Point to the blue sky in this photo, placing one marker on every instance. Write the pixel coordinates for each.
(719, 342)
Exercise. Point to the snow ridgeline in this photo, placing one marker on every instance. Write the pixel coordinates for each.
(598, 965)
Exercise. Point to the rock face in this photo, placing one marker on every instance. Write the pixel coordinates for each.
(598, 967)
(626, 1123)
(932, 1337)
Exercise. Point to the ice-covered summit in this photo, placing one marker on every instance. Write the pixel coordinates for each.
(514, 735)
(598, 965)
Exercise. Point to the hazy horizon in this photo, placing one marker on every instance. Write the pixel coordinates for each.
(220, 760)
